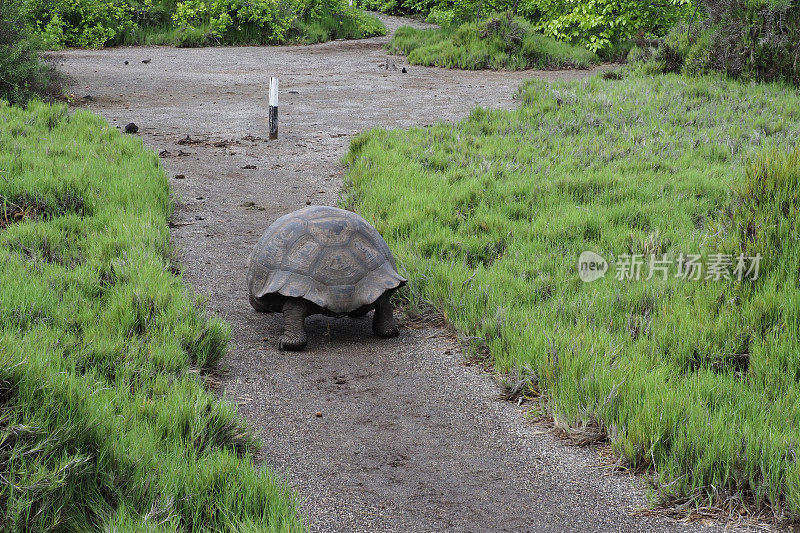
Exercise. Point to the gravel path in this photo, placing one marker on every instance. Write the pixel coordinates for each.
(410, 438)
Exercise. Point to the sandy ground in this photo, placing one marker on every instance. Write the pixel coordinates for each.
(410, 438)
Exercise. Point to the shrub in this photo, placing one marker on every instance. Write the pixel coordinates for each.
(756, 40)
(24, 75)
(601, 24)
(92, 24)
(227, 18)
(449, 12)
(203, 22)
(401, 7)
(81, 23)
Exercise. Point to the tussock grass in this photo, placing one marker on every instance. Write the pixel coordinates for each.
(105, 423)
(497, 43)
(697, 381)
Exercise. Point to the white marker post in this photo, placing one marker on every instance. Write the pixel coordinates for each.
(273, 107)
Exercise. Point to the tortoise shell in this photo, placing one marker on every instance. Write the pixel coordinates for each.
(329, 256)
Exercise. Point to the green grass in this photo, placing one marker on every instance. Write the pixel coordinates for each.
(698, 381)
(105, 422)
(497, 43)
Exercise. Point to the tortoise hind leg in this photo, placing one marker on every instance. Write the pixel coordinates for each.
(294, 337)
(383, 323)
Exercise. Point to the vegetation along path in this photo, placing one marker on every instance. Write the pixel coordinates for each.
(409, 438)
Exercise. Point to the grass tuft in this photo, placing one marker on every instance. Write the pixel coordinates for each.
(104, 421)
(497, 43)
(695, 381)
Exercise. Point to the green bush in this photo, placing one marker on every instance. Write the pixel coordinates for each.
(82, 23)
(402, 7)
(499, 42)
(92, 24)
(452, 12)
(602, 24)
(599, 25)
(753, 39)
(23, 74)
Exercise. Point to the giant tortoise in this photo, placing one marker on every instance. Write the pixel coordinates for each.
(323, 260)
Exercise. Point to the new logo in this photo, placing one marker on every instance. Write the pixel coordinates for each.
(591, 266)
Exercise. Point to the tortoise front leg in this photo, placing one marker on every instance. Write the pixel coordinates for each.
(295, 311)
(383, 323)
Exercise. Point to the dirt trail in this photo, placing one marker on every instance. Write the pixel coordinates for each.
(410, 438)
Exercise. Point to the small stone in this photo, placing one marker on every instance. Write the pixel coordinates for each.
(308, 202)
(180, 177)
(404, 70)
(131, 128)
(318, 414)
(146, 61)
(126, 62)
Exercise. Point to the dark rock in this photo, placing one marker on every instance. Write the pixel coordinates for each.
(146, 61)
(180, 177)
(404, 70)
(131, 128)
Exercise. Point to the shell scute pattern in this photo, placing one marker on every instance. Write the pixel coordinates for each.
(302, 255)
(365, 253)
(326, 255)
(330, 231)
(337, 266)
